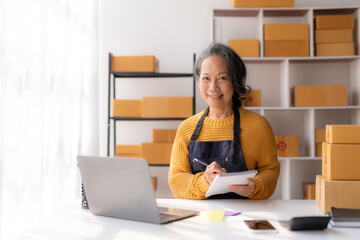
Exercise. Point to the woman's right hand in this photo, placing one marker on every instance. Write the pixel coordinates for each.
(212, 170)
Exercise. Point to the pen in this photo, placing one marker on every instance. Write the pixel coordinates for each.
(197, 160)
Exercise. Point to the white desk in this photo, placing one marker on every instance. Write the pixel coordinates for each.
(76, 223)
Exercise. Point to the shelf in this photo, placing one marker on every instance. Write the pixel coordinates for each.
(236, 12)
(335, 10)
(304, 108)
(276, 76)
(281, 12)
(145, 119)
(288, 12)
(149, 75)
(113, 131)
(300, 59)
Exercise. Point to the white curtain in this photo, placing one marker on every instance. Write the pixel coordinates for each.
(48, 105)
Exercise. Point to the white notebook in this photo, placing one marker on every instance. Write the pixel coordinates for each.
(222, 181)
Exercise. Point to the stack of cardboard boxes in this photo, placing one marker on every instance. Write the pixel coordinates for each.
(334, 35)
(309, 187)
(286, 40)
(156, 152)
(339, 185)
(159, 151)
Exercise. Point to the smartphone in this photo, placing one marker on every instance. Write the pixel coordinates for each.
(260, 226)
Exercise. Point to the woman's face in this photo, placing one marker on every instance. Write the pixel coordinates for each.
(215, 83)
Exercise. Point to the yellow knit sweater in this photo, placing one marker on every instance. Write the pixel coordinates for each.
(257, 143)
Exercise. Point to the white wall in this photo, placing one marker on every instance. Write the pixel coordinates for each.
(172, 31)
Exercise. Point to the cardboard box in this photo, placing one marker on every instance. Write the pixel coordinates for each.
(245, 47)
(253, 99)
(167, 107)
(335, 49)
(128, 151)
(286, 32)
(286, 49)
(319, 139)
(287, 146)
(127, 108)
(164, 135)
(340, 194)
(343, 134)
(318, 149)
(309, 190)
(154, 182)
(345, 21)
(341, 161)
(320, 95)
(333, 35)
(134, 64)
(320, 135)
(156, 153)
(261, 3)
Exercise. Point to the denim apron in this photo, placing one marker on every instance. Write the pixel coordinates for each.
(228, 154)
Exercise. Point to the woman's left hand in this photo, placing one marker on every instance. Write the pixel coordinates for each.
(244, 190)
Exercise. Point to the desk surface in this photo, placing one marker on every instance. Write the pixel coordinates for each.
(74, 222)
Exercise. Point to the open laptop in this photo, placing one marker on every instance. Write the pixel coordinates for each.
(122, 188)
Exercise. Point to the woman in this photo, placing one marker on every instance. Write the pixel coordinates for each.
(225, 136)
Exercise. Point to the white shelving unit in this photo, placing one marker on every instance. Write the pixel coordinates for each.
(275, 76)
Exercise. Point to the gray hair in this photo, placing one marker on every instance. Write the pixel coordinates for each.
(235, 66)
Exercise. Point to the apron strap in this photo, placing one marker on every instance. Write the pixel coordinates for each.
(236, 130)
(199, 126)
(237, 151)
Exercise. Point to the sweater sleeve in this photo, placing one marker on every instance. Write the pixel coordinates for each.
(267, 163)
(183, 183)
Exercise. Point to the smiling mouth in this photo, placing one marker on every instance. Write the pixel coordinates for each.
(215, 96)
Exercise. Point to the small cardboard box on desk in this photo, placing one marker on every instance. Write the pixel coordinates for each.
(340, 181)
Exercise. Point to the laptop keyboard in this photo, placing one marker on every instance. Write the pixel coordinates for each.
(167, 217)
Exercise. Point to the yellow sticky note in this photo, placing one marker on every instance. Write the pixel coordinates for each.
(212, 215)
